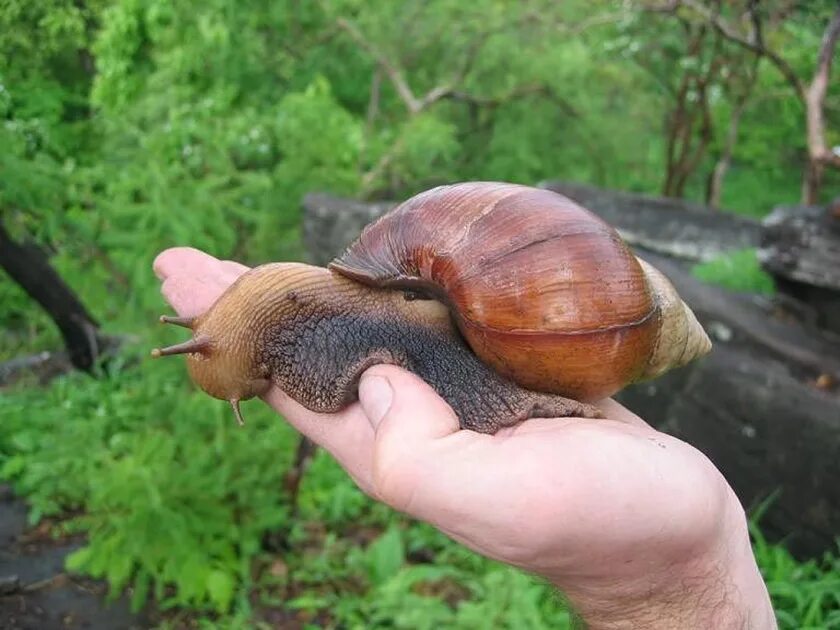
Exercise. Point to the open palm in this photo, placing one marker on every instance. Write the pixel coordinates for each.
(604, 508)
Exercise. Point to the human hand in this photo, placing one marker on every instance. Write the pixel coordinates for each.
(637, 528)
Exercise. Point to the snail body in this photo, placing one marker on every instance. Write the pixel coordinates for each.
(512, 302)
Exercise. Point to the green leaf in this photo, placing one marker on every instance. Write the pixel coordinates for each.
(220, 587)
(385, 556)
(736, 271)
(12, 467)
(79, 559)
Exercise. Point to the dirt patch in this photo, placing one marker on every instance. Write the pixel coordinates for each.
(35, 591)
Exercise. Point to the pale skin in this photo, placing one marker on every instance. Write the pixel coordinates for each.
(638, 529)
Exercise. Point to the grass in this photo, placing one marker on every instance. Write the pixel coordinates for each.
(806, 595)
(176, 501)
(737, 271)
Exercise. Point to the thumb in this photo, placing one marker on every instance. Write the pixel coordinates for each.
(409, 419)
(395, 400)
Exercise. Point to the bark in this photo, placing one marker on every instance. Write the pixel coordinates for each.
(714, 191)
(800, 248)
(819, 155)
(28, 265)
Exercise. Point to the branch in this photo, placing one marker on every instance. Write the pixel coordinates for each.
(412, 103)
(668, 7)
(394, 74)
(815, 96)
(369, 178)
(755, 44)
(604, 19)
(28, 265)
(521, 90)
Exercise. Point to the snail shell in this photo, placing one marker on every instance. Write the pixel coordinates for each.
(543, 290)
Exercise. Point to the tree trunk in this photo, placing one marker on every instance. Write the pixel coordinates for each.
(27, 264)
(690, 126)
(800, 248)
(714, 190)
(819, 155)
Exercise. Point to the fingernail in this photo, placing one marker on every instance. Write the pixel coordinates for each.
(375, 395)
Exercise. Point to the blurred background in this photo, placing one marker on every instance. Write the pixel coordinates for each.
(706, 130)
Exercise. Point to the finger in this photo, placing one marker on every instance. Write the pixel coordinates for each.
(409, 420)
(187, 261)
(402, 407)
(182, 261)
(193, 280)
(192, 295)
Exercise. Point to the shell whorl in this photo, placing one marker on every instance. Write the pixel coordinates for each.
(681, 338)
(543, 290)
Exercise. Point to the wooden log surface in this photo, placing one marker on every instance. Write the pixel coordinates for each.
(28, 265)
(753, 405)
(331, 223)
(800, 248)
(802, 244)
(672, 227)
(41, 367)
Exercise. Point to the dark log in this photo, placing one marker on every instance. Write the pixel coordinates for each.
(673, 227)
(754, 407)
(800, 248)
(757, 406)
(28, 265)
(769, 433)
(755, 322)
(44, 366)
(331, 223)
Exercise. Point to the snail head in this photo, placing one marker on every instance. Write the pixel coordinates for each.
(222, 358)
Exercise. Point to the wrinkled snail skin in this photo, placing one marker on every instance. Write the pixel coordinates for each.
(527, 304)
(313, 333)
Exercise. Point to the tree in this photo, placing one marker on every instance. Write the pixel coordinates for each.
(749, 31)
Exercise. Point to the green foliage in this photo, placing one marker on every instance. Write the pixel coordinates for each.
(805, 595)
(738, 271)
(172, 492)
(129, 126)
(382, 584)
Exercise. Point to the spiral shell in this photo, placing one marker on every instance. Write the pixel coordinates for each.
(542, 289)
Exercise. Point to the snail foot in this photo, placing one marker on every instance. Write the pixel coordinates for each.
(549, 406)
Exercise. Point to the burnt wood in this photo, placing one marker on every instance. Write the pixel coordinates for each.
(673, 227)
(28, 265)
(800, 248)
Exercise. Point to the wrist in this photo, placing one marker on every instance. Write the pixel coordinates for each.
(717, 585)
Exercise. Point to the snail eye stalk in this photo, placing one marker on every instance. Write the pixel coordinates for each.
(184, 322)
(199, 345)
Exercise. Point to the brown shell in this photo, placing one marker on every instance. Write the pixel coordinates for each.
(542, 289)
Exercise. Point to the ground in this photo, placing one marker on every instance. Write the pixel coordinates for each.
(35, 591)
